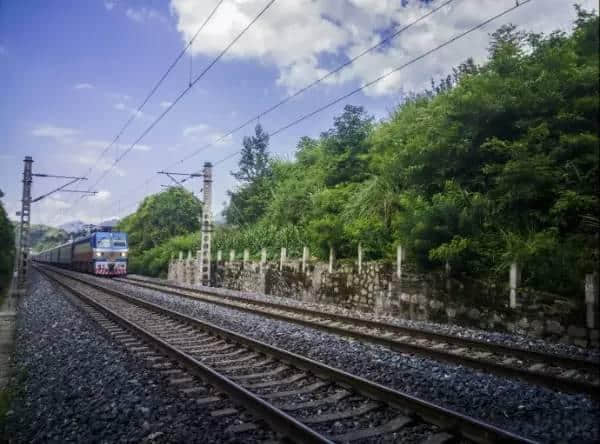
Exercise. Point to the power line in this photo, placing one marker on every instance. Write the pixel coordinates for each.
(156, 86)
(387, 74)
(319, 80)
(383, 76)
(339, 68)
(184, 92)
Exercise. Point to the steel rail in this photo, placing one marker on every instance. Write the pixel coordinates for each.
(447, 419)
(536, 377)
(276, 418)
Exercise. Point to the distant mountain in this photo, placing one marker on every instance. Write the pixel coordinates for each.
(43, 237)
(72, 227)
(109, 223)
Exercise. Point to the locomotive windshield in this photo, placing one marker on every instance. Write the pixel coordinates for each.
(111, 240)
(119, 240)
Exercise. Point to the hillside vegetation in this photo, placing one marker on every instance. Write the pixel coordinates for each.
(7, 250)
(493, 164)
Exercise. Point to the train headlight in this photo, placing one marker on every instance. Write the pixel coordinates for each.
(98, 254)
(123, 254)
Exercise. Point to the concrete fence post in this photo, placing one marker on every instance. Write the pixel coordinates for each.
(189, 279)
(304, 258)
(360, 254)
(180, 268)
(282, 258)
(246, 257)
(263, 259)
(219, 256)
(231, 255)
(198, 268)
(331, 259)
(514, 282)
(399, 258)
(591, 299)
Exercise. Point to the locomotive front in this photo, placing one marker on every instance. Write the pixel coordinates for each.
(110, 253)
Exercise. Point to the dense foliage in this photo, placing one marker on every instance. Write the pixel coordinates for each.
(7, 249)
(496, 163)
(159, 218)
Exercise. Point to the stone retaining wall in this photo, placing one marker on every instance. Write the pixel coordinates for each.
(431, 297)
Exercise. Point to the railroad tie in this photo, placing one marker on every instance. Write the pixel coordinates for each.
(370, 406)
(390, 427)
(301, 391)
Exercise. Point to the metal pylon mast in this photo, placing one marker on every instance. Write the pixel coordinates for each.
(206, 226)
(23, 243)
(25, 213)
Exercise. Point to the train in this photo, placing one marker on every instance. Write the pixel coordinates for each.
(102, 253)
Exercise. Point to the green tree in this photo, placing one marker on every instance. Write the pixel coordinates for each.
(7, 248)
(248, 202)
(160, 217)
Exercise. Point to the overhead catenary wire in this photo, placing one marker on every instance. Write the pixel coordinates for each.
(381, 77)
(305, 88)
(184, 92)
(152, 92)
(156, 86)
(391, 36)
(387, 74)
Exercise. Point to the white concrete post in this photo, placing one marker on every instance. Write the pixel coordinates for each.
(304, 258)
(197, 269)
(360, 252)
(282, 258)
(180, 269)
(514, 282)
(231, 255)
(263, 259)
(331, 259)
(591, 298)
(399, 257)
(219, 256)
(246, 257)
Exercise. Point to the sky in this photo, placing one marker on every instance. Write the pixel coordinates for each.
(73, 72)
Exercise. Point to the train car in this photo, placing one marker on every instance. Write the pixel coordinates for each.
(101, 253)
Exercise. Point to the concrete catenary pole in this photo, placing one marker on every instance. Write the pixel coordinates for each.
(24, 233)
(23, 244)
(206, 236)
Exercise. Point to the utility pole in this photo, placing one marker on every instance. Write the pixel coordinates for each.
(23, 244)
(25, 213)
(206, 225)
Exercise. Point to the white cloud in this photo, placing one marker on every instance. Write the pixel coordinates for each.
(141, 15)
(100, 164)
(118, 96)
(303, 38)
(102, 195)
(120, 106)
(83, 86)
(109, 5)
(57, 133)
(102, 144)
(193, 130)
(166, 104)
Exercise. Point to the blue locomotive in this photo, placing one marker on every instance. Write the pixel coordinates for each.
(102, 253)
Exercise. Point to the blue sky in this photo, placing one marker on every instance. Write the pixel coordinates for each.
(72, 72)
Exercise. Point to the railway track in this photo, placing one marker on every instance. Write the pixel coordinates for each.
(301, 399)
(555, 371)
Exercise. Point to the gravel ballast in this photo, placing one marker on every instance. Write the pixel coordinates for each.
(77, 385)
(531, 411)
(514, 340)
